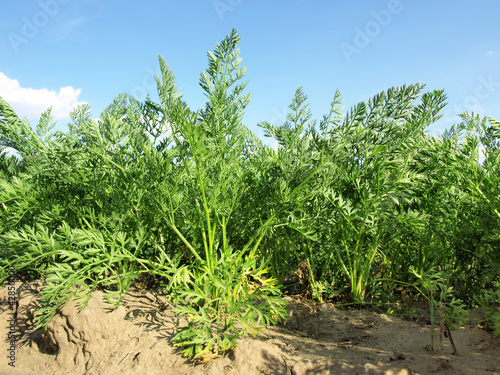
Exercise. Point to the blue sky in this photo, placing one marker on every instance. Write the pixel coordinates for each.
(66, 52)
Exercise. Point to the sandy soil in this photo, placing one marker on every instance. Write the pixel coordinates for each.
(320, 339)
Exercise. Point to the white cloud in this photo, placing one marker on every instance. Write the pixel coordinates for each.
(30, 103)
(489, 53)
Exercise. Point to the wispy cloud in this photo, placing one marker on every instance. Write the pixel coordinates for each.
(489, 53)
(69, 29)
(30, 103)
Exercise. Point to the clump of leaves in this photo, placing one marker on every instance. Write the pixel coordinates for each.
(490, 301)
(434, 287)
(237, 299)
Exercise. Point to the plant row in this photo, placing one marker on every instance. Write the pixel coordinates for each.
(363, 202)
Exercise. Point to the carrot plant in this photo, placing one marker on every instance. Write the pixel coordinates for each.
(219, 292)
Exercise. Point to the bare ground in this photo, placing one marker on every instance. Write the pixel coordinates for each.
(317, 339)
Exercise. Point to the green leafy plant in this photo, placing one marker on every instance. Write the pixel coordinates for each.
(490, 301)
(212, 141)
(433, 286)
